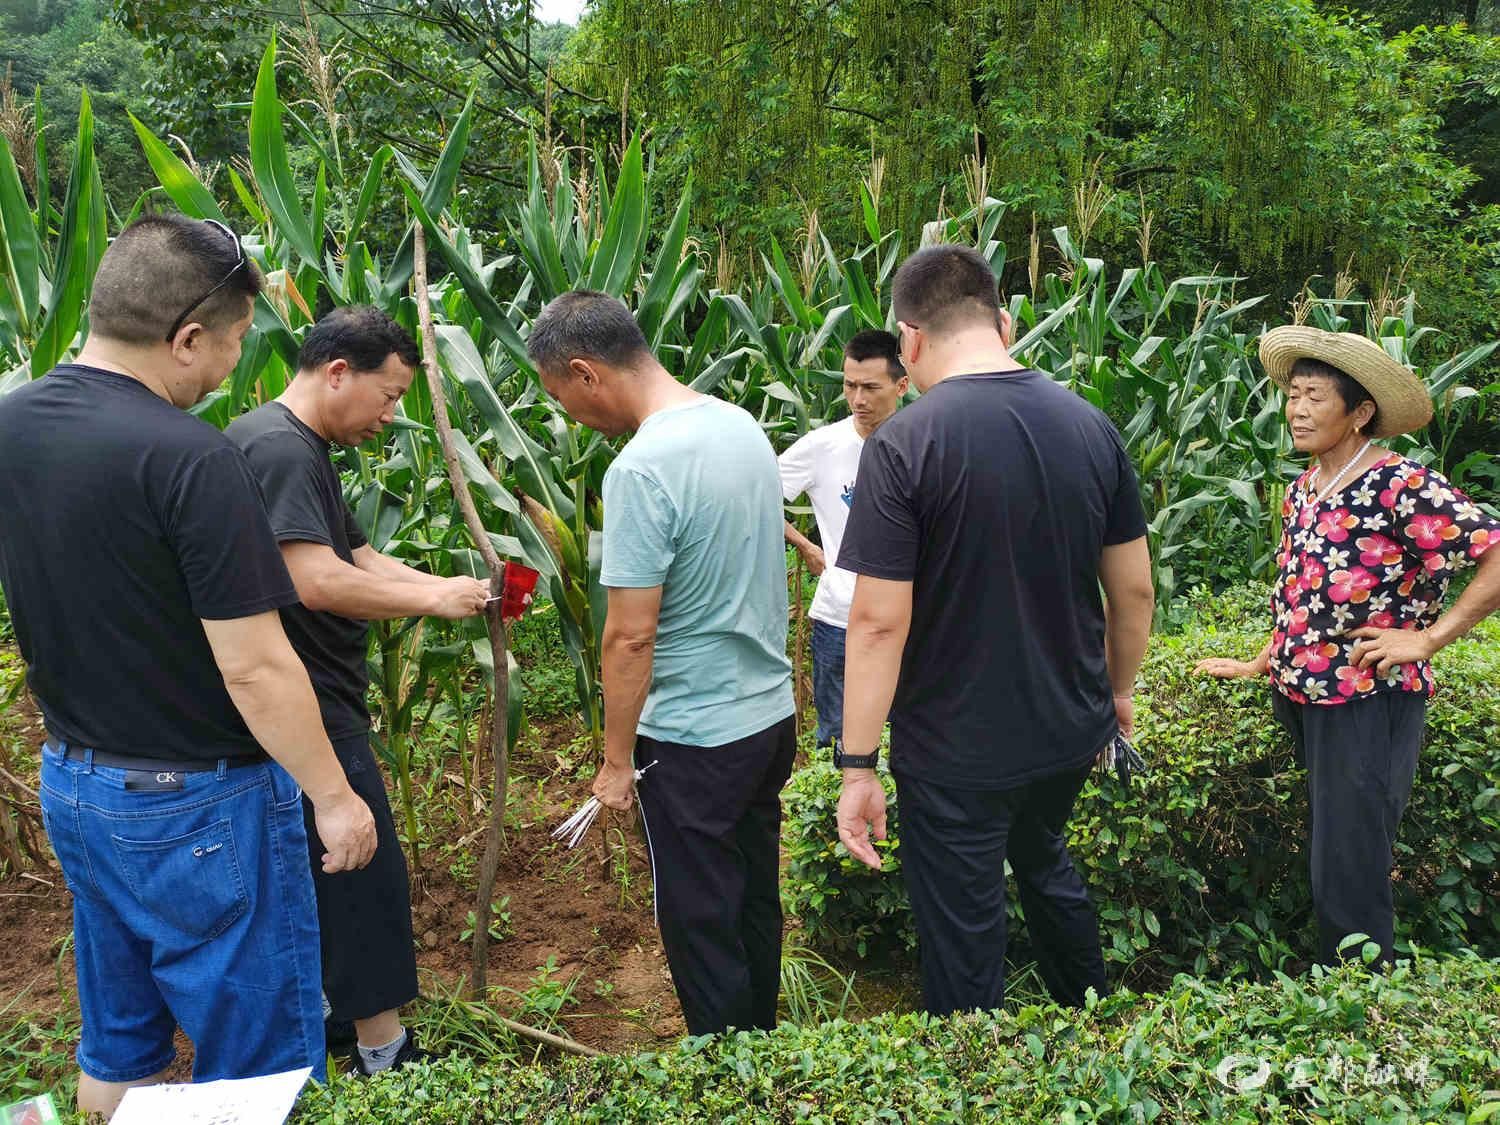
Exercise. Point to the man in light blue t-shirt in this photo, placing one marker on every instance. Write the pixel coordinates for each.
(697, 684)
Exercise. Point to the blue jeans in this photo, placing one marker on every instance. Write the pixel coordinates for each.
(828, 680)
(192, 907)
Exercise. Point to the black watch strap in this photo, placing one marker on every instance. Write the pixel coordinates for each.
(853, 761)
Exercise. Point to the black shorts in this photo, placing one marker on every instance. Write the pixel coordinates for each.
(369, 962)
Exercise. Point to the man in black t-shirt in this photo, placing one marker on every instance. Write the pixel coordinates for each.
(144, 583)
(988, 515)
(354, 366)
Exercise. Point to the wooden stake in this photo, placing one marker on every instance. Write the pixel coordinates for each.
(500, 753)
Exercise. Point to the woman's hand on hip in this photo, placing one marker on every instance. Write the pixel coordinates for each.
(1386, 648)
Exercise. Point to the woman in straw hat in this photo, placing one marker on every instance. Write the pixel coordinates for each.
(1370, 540)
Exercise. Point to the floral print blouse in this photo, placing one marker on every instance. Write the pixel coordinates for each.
(1379, 551)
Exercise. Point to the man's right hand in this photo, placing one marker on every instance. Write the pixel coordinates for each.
(614, 785)
(347, 830)
(861, 813)
(459, 597)
(812, 555)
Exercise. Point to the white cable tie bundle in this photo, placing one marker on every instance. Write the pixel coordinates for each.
(577, 826)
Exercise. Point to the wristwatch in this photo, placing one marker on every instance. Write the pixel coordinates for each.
(844, 761)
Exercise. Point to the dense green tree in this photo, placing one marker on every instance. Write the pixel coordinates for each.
(387, 71)
(1265, 137)
(62, 47)
(1403, 15)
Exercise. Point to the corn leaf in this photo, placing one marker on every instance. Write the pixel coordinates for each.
(175, 177)
(273, 170)
(20, 252)
(617, 260)
(74, 270)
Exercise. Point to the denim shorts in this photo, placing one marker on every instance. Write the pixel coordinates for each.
(192, 907)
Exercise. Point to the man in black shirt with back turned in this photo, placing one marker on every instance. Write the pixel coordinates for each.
(987, 517)
(354, 366)
(144, 584)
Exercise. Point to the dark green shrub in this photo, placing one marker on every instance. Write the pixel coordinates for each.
(842, 905)
(1199, 867)
(1346, 1046)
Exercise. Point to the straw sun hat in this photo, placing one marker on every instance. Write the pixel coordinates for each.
(1400, 396)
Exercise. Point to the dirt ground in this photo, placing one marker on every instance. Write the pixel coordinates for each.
(572, 907)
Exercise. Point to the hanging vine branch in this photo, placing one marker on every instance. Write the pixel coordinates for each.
(1065, 80)
(499, 751)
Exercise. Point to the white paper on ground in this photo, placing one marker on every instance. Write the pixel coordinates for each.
(230, 1101)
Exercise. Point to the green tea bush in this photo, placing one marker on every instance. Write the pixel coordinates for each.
(1199, 867)
(1345, 1046)
(840, 909)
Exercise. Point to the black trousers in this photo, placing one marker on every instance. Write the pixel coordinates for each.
(1361, 759)
(364, 916)
(713, 824)
(954, 844)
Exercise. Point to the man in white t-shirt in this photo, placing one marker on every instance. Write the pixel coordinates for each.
(823, 464)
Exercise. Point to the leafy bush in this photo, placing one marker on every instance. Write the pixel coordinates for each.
(1340, 1046)
(1200, 866)
(842, 905)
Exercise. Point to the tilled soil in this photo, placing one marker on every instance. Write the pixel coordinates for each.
(588, 912)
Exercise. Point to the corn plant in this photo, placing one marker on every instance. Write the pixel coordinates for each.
(1171, 360)
(47, 255)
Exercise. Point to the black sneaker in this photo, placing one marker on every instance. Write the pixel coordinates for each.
(340, 1035)
(409, 1053)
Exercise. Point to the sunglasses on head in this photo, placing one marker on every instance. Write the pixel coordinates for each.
(239, 263)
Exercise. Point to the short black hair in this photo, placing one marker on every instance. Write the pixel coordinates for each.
(585, 324)
(1350, 389)
(361, 335)
(942, 286)
(158, 264)
(876, 343)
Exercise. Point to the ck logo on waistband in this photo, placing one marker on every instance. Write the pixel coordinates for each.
(157, 781)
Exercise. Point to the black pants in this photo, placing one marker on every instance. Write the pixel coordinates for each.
(954, 844)
(713, 823)
(364, 916)
(1361, 759)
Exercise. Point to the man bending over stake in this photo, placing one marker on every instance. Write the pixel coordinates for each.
(354, 366)
(697, 684)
